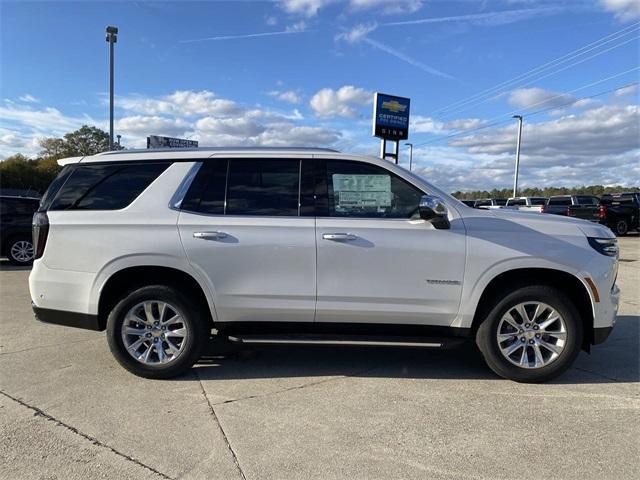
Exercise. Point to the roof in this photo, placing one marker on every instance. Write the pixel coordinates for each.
(204, 152)
(221, 149)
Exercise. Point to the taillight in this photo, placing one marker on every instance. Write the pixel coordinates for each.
(568, 211)
(543, 209)
(40, 229)
(602, 212)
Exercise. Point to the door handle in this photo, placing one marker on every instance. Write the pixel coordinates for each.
(340, 237)
(210, 235)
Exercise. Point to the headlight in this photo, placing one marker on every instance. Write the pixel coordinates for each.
(605, 246)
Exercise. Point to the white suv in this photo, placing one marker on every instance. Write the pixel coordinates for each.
(164, 248)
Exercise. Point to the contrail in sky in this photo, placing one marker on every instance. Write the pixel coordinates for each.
(248, 35)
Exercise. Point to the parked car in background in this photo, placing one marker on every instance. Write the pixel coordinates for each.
(16, 214)
(469, 203)
(488, 203)
(529, 204)
(620, 211)
(586, 207)
(310, 246)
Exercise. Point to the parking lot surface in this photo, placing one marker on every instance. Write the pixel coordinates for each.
(68, 410)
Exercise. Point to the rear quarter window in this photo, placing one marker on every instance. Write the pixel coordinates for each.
(110, 186)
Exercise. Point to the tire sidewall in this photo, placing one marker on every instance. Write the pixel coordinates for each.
(488, 344)
(625, 227)
(14, 260)
(194, 320)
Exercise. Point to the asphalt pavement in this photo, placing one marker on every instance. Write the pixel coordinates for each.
(69, 411)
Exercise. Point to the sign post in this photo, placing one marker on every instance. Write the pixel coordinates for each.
(156, 141)
(390, 122)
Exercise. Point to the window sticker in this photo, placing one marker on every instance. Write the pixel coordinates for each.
(361, 191)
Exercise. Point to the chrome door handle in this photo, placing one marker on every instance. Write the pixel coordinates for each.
(340, 237)
(210, 235)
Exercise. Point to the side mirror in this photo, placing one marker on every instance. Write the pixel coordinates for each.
(433, 209)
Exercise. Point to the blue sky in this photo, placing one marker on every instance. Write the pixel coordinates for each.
(302, 72)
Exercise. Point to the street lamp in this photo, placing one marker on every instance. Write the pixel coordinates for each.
(112, 37)
(515, 177)
(410, 145)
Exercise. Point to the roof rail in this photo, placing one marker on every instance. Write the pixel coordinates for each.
(220, 149)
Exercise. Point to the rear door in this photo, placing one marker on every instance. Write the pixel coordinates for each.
(378, 263)
(241, 226)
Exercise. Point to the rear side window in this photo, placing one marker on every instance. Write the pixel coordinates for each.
(517, 201)
(263, 187)
(538, 201)
(207, 192)
(560, 201)
(106, 187)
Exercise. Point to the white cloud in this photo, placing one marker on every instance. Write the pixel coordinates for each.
(138, 125)
(180, 102)
(530, 97)
(308, 8)
(339, 103)
(270, 20)
(286, 96)
(297, 27)
(623, 9)
(388, 7)
(47, 119)
(28, 98)
(593, 134)
(631, 89)
(486, 18)
(357, 33)
(421, 124)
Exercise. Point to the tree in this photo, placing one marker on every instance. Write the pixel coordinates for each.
(84, 141)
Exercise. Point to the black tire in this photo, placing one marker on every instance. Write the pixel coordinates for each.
(621, 228)
(12, 246)
(486, 337)
(196, 322)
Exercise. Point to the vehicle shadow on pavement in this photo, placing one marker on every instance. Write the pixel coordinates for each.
(6, 266)
(616, 361)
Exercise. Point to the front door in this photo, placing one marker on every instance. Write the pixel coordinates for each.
(377, 262)
(241, 227)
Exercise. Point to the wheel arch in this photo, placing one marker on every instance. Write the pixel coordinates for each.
(564, 281)
(131, 277)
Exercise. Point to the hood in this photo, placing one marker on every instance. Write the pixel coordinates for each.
(507, 220)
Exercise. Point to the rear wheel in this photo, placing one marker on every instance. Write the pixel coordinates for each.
(157, 332)
(532, 335)
(20, 251)
(622, 227)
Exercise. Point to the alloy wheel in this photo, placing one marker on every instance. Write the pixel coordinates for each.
(22, 251)
(154, 332)
(531, 335)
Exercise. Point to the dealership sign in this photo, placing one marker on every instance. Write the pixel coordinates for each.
(155, 141)
(390, 117)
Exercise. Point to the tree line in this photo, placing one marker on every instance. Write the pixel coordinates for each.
(597, 190)
(35, 174)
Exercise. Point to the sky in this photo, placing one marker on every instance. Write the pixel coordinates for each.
(303, 73)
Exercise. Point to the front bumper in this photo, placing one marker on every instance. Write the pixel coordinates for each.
(68, 319)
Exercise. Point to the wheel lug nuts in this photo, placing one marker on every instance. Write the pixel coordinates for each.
(522, 339)
(527, 325)
(156, 323)
(531, 342)
(164, 328)
(148, 335)
(536, 327)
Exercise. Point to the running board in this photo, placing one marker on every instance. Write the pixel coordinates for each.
(352, 340)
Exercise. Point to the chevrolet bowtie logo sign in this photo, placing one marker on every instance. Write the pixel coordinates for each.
(394, 106)
(390, 117)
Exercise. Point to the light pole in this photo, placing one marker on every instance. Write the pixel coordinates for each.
(410, 145)
(515, 177)
(112, 37)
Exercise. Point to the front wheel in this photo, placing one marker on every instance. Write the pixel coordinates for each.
(157, 332)
(531, 335)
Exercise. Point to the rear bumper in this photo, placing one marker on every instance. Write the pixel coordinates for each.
(68, 319)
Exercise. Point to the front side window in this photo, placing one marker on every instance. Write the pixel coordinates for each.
(361, 190)
(109, 186)
(538, 201)
(560, 201)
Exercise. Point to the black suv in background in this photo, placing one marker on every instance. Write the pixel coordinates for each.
(16, 214)
(620, 211)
